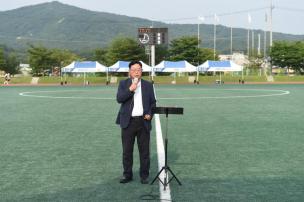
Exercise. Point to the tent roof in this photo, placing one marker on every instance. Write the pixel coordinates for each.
(174, 66)
(222, 66)
(123, 66)
(84, 66)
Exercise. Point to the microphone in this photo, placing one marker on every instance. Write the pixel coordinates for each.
(135, 80)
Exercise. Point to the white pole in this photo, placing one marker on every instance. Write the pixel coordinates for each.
(198, 48)
(248, 35)
(243, 73)
(231, 41)
(84, 75)
(265, 35)
(198, 35)
(270, 23)
(152, 60)
(60, 74)
(270, 37)
(198, 45)
(197, 74)
(214, 36)
(259, 44)
(252, 41)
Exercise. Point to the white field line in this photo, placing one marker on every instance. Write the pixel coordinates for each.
(165, 195)
(274, 93)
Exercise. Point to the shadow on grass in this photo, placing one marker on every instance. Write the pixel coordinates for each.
(238, 189)
(109, 190)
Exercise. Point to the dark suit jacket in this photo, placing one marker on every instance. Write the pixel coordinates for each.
(125, 98)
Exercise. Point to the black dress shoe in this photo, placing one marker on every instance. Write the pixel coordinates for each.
(125, 180)
(144, 181)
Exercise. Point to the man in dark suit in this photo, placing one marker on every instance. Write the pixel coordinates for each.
(137, 99)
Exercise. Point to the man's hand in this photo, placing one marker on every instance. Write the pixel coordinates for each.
(147, 117)
(134, 84)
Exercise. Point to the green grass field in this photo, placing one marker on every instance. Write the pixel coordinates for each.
(233, 143)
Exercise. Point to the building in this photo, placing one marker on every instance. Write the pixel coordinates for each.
(237, 57)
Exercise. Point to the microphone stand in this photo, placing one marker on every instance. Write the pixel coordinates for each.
(166, 168)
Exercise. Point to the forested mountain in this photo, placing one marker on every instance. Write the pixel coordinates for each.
(57, 25)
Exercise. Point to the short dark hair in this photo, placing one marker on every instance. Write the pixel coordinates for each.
(133, 63)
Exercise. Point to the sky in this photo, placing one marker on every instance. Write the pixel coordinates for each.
(288, 15)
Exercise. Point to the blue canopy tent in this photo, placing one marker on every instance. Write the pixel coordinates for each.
(84, 67)
(174, 66)
(120, 66)
(220, 66)
(123, 66)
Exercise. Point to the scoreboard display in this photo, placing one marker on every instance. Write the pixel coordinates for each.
(153, 36)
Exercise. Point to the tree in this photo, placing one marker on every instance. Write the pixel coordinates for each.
(11, 64)
(185, 48)
(206, 54)
(124, 49)
(288, 54)
(161, 53)
(2, 59)
(39, 59)
(100, 55)
(60, 58)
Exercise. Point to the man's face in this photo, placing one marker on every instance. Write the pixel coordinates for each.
(135, 71)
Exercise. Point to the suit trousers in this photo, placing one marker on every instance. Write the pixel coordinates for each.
(136, 129)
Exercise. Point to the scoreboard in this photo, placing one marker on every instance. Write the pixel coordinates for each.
(153, 36)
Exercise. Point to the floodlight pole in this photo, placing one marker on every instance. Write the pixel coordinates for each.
(270, 37)
(198, 47)
(231, 46)
(259, 44)
(270, 23)
(214, 36)
(248, 42)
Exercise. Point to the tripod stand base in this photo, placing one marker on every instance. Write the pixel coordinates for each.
(166, 180)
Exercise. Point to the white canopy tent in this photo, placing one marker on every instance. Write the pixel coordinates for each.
(123, 66)
(84, 67)
(220, 66)
(174, 66)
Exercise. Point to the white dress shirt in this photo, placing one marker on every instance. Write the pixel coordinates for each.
(138, 109)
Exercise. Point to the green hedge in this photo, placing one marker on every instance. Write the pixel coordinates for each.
(286, 78)
(18, 80)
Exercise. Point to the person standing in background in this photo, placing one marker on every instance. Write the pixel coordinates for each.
(7, 78)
